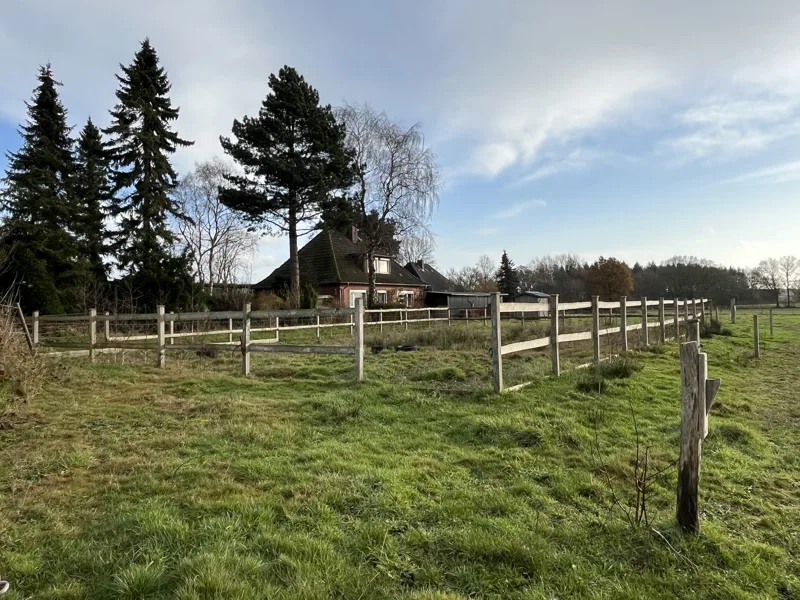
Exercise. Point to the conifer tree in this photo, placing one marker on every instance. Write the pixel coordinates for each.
(507, 278)
(38, 198)
(293, 154)
(142, 140)
(93, 193)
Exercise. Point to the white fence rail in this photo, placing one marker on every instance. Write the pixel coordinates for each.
(693, 309)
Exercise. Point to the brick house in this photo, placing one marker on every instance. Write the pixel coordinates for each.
(335, 265)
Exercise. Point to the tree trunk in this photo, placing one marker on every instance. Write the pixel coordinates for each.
(372, 293)
(294, 261)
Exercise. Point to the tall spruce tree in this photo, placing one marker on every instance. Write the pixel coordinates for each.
(93, 193)
(141, 142)
(37, 235)
(293, 155)
(507, 278)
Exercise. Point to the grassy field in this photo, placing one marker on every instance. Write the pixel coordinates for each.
(124, 481)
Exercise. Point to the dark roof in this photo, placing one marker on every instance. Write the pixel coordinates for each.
(432, 278)
(533, 293)
(331, 258)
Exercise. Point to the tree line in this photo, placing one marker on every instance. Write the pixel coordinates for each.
(105, 212)
(574, 279)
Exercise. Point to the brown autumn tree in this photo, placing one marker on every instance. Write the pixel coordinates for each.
(610, 278)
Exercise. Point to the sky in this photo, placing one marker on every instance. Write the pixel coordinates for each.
(639, 130)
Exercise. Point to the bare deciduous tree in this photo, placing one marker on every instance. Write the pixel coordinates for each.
(769, 277)
(417, 247)
(397, 180)
(788, 265)
(477, 278)
(217, 236)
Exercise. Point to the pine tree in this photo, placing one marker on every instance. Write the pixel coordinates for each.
(143, 180)
(506, 277)
(294, 155)
(93, 192)
(37, 235)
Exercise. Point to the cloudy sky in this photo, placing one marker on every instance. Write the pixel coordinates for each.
(625, 128)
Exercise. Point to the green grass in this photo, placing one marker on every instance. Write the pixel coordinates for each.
(125, 481)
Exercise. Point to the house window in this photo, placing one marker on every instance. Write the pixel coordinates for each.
(383, 297)
(405, 297)
(382, 266)
(354, 295)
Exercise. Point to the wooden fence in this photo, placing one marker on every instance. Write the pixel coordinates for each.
(165, 335)
(668, 328)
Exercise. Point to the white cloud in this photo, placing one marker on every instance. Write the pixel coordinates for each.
(518, 208)
(782, 173)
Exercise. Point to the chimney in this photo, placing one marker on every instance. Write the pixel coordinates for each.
(354, 234)
(421, 265)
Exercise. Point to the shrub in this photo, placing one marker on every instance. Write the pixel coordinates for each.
(264, 301)
(21, 373)
(619, 367)
(713, 328)
(591, 382)
(309, 296)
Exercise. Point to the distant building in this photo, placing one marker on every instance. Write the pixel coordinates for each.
(533, 297)
(441, 292)
(335, 264)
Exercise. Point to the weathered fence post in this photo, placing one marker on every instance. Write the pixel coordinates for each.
(702, 311)
(554, 356)
(230, 331)
(401, 316)
(107, 327)
(623, 322)
(771, 329)
(733, 310)
(449, 317)
(380, 321)
(756, 338)
(277, 328)
(694, 331)
(245, 340)
(485, 311)
(686, 315)
(662, 325)
(172, 328)
(429, 319)
(352, 324)
(677, 310)
(161, 358)
(596, 328)
(359, 338)
(92, 333)
(35, 326)
(497, 342)
(692, 408)
(318, 330)
(645, 330)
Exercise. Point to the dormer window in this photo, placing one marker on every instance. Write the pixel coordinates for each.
(381, 265)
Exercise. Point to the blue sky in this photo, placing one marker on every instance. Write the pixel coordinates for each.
(632, 129)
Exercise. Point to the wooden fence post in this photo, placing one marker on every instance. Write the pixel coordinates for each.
(277, 328)
(107, 328)
(645, 330)
(623, 322)
(702, 311)
(677, 310)
(35, 326)
(686, 315)
(756, 338)
(485, 310)
(662, 317)
(596, 328)
(380, 321)
(554, 356)
(245, 340)
(733, 310)
(318, 330)
(449, 317)
(359, 338)
(352, 324)
(497, 342)
(172, 328)
(401, 316)
(694, 331)
(771, 329)
(92, 333)
(692, 409)
(230, 331)
(161, 358)
(429, 319)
